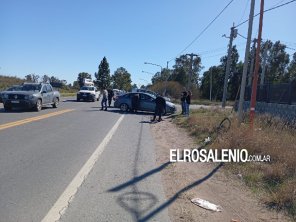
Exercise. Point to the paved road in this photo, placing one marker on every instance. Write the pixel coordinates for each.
(46, 162)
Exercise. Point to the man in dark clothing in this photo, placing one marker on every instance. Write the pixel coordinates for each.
(188, 101)
(135, 102)
(159, 108)
(110, 96)
(183, 102)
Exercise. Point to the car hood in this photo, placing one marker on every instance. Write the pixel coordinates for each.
(19, 92)
(169, 104)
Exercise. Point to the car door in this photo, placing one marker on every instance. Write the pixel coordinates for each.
(44, 93)
(49, 93)
(147, 103)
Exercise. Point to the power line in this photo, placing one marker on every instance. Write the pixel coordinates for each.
(218, 49)
(198, 36)
(290, 48)
(267, 10)
(244, 11)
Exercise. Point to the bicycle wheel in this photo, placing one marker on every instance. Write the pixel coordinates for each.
(224, 125)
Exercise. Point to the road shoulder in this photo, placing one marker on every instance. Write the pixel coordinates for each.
(185, 181)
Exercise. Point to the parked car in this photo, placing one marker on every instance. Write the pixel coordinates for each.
(88, 93)
(12, 88)
(31, 95)
(147, 102)
(153, 93)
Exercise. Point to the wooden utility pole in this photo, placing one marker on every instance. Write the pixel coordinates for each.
(245, 68)
(233, 33)
(190, 72)
(255, 79)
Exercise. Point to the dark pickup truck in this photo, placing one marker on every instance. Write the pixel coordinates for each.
(31, 95)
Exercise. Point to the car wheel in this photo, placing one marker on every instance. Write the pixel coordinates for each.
(55, 103)
(124, 107)
(38, 105)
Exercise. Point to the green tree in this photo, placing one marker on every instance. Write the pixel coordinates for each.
(235, 81)
(121, 79)
(32, 78)
(292, 68)
(76, 85)
(277, 63)
(103, 78)
(45, 79)
(217, 73)
(81, 77)
(182, 69)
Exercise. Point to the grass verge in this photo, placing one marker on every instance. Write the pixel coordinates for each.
(68, 94)
(205, 102)
(275, 181)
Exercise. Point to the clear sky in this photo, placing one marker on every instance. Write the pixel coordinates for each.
(65, 37)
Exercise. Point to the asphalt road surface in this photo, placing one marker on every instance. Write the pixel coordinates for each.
(77, 163)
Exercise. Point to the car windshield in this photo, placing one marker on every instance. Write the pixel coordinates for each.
(14, 88)
(31, 87)
(87, 88)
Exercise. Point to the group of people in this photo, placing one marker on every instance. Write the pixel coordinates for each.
(107, 97)
(160, 103)
(185, 102)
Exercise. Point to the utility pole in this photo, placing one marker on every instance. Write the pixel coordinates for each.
(252, 63)
(233, 33)
(211, 83)
(245, 68)
(190, 72)
(264, 64)
(255, 79)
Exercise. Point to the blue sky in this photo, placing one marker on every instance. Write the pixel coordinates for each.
(65, 37)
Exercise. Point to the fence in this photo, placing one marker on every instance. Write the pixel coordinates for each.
(282, 93)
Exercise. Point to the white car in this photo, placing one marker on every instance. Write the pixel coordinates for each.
(88, 93)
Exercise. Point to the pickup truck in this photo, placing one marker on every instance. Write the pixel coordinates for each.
(31, 95)
(88, 93)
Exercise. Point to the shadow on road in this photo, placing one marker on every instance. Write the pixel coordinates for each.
(69, 100)
(168, 202)
(139, 178)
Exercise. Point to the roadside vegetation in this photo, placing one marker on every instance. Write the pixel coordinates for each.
(274, 182)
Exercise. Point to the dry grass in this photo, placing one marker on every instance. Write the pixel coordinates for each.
(274, 181)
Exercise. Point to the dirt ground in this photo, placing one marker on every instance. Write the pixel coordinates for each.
(185, 181)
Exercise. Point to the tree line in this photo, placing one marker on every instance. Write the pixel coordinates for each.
(279, 68)
(121, 79)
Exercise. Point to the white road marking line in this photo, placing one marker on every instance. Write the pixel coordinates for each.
(61, 205)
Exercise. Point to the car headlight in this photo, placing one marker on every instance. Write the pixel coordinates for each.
(29, 96)
(5, 96)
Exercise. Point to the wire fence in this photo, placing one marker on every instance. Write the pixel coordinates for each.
(281, 93)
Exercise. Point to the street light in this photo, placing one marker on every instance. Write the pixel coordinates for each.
(148, 72)
(166, 80)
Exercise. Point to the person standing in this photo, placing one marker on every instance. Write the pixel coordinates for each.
(188, 101)
(110, 96)
(183, 102)
(104, 99)
(160, 105)
(135, 102)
